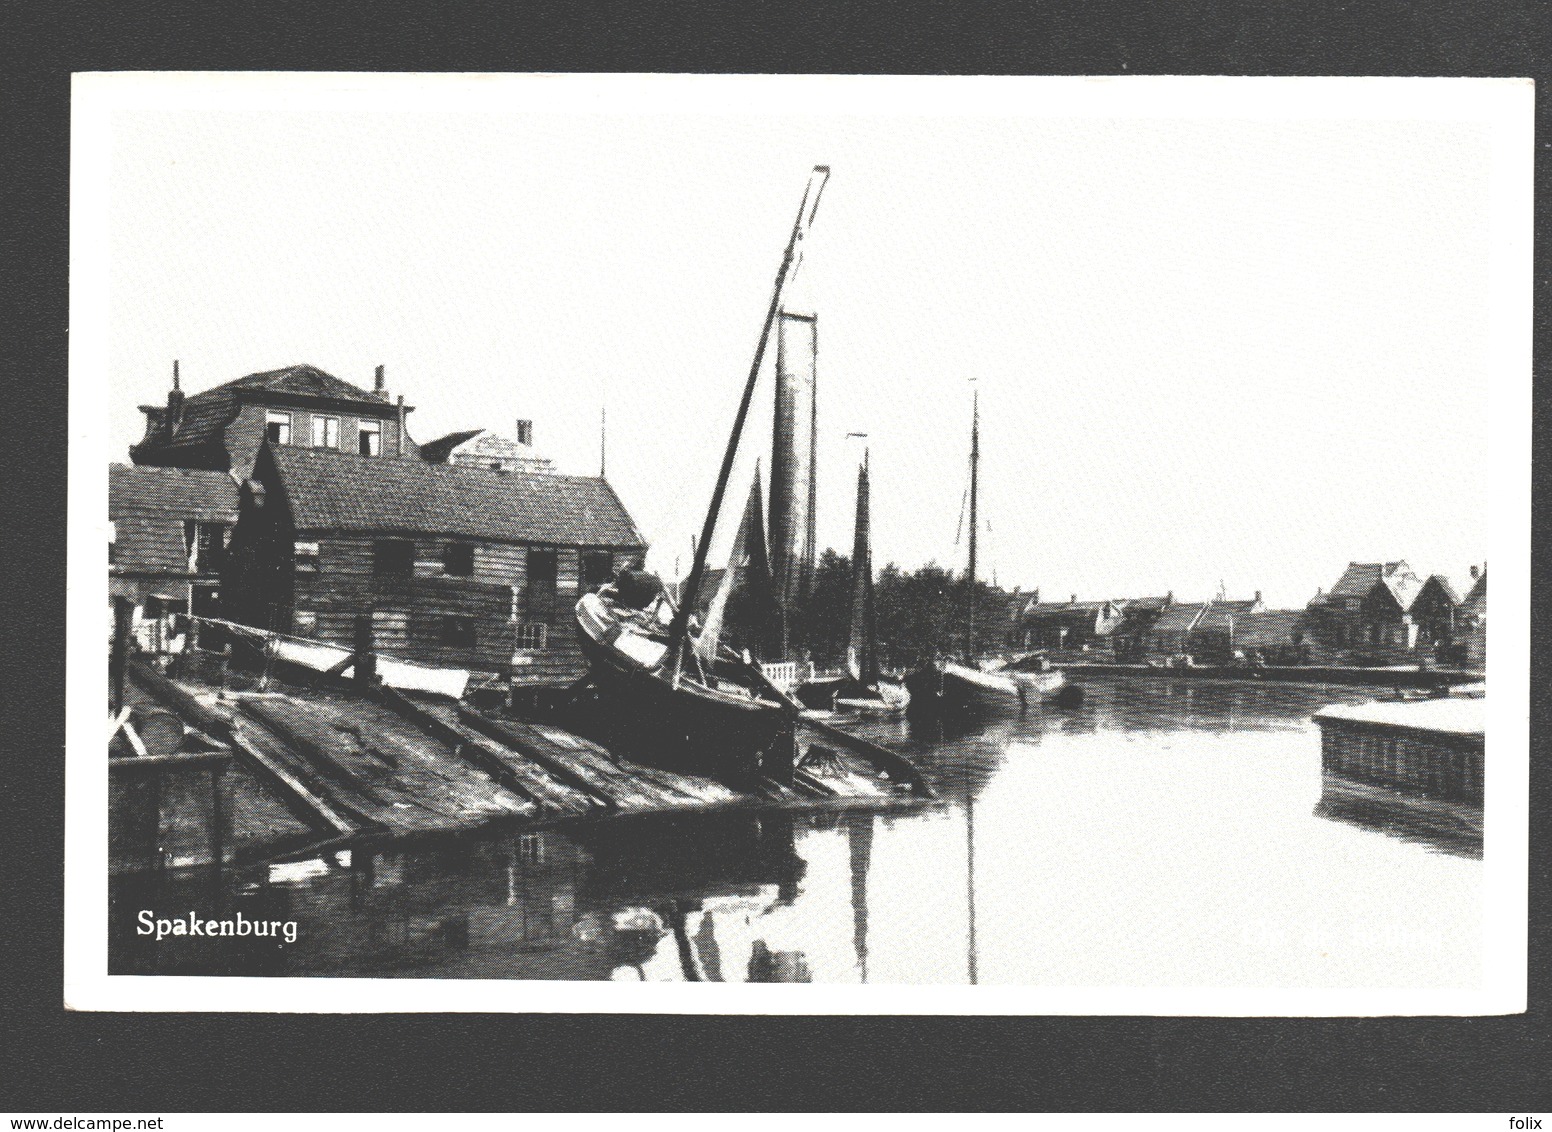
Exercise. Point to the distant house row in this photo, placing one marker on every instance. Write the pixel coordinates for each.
(294, 501)
(1376, 613)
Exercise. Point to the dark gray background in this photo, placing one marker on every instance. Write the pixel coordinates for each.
(59, 1062)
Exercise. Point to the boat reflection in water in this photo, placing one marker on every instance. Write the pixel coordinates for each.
(1161, 833)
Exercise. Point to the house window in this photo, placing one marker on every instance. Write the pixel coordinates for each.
(304, 556)
(393, 558)
(543, 574)
(458, 632)
(208, 553)
(369, 438)
(326, 432)
(458, 559)
(597, 568)
(277, 427)
(304, 623)
(532, 637)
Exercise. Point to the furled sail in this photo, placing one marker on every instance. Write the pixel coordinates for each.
(862, 648)
(750, 534)
(794, 446)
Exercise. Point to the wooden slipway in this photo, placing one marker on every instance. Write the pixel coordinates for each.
(347, 763)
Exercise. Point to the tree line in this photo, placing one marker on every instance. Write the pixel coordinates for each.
(921, 613)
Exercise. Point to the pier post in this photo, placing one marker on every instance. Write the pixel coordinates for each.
(123, 611)
(366, 657)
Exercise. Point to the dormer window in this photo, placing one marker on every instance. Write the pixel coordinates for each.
(326, 432)
(277, 427)
(369, 438)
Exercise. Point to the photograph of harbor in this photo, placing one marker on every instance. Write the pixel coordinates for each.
(692, 530)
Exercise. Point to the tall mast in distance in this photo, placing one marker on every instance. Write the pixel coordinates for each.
(975, 484)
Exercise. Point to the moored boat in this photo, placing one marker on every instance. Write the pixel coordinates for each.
(705, 717)
(861, 688)
(953, 687)
(686, 700)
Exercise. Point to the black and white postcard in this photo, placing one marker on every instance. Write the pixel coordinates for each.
(779, 544)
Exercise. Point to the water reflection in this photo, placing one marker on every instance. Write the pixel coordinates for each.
(1162, 832)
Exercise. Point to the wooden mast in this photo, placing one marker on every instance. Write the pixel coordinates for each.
(862, 647)
(679, 628)
(975, 467)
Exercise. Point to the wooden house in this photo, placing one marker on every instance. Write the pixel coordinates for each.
(1471, 622)
(486, 448)
(1170, 633)
(170, 528)
(460, 566)
(1070, 624)
(1138, 616)
(1272, 636)
(1367, 615)
(1433, 612)
(300, 406)
(1214, 639)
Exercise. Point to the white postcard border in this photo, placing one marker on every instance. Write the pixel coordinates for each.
(1505, 106)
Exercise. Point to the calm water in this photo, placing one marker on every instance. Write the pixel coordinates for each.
(1163, 833)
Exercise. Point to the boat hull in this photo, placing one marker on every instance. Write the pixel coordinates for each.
(844, 694)
(957, 689)
(689, 728)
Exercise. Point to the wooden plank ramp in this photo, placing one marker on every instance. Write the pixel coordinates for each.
(383, 767)
(584, 765)
(350, 762)
(282, 780)
(442, 719)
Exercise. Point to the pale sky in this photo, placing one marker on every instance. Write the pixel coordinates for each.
(1236, 349)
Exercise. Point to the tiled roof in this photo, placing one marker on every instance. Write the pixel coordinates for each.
(1046, 608)
(337, 491)
(1443, 583)
(1267, 628)
(148, 507)
(206, 415)
(1178, 618)
(1357, 580)
(1475, 604)
(1219, 613)
(1136, 604)
(1360, 578)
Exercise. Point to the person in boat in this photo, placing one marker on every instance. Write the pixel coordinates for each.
(634, 587)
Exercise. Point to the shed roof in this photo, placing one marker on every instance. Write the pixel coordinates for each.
(148, 507)
(338, 491)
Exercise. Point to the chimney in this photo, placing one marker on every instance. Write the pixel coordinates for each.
(400, 440)
(1476, 571)
(174, 404)
(1073, 600)
(1258, 595)
(525, 433)
(377, 384)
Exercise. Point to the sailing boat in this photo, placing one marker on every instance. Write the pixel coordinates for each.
(968, 688)
(690, 700)
(860, 688)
